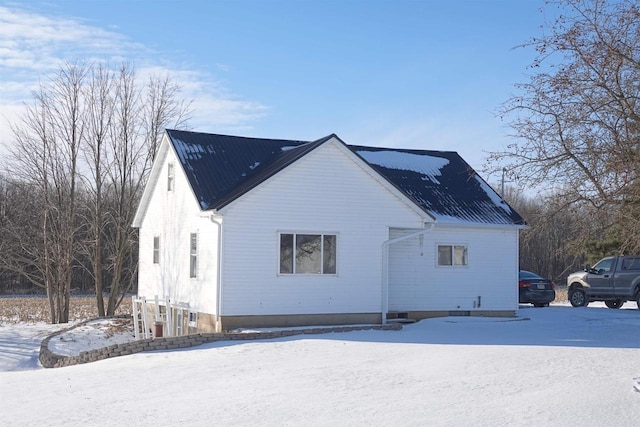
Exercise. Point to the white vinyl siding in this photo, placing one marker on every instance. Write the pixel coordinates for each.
(417, 283)
(173, 216)
(324, 192)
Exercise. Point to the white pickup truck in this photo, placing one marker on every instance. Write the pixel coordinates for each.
(614, 280)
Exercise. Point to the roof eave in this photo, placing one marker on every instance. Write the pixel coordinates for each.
(470, 224)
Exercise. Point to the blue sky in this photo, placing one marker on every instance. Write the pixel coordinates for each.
(408, 74)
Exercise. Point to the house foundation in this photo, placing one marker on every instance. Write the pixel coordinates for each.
(292, 320)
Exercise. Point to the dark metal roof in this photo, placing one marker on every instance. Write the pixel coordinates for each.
(442, 183)
(221, 168)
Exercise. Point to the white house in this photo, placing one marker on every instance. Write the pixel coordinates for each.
(251, 232)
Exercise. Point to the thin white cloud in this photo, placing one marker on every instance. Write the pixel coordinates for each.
(33, 45)
(31, 41)
(215, 108)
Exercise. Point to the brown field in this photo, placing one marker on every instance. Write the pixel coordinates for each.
(32, 309)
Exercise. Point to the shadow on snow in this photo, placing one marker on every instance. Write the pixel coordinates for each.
(590, 327)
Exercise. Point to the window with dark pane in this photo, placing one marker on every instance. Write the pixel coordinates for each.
(444, 255)
(329, 254)
(156, 249)
(193, 255)
(286, 254)
(170, 177)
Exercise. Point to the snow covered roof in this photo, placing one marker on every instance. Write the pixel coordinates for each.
(442, 183)
(221, 168)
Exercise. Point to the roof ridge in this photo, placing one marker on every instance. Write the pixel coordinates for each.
(236, 136)
(221, 168)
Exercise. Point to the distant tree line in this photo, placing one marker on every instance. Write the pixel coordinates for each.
(559, 241)
(79, 160)
(548, 246)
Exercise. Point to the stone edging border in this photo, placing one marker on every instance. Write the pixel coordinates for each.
(49, 359)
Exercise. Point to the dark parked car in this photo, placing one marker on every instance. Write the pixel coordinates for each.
(535, 289)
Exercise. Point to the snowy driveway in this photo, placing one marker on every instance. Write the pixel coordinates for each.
(20, 345)
(437, 372)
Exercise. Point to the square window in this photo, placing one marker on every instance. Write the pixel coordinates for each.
(452, 255)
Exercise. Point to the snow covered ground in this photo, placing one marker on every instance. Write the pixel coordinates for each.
(556, 366)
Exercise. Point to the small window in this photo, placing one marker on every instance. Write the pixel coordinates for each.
(193, 255)
(452, 255)
(179, 322)
(193, 319)
(286, 254)
(170, 176)
(603, 266)
(329, 254)
(631, 264)
(156, 249)
(308, 253)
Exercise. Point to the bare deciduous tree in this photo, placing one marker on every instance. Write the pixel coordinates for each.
(85, 148)
(543, 246)
(100, 105)
(576, 121)
(45, 154)
(162, 107)
(140, 116)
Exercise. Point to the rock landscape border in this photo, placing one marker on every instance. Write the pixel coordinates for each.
(50, 359)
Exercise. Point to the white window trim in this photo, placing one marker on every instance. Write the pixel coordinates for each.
(453, 264)
(317, 233)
